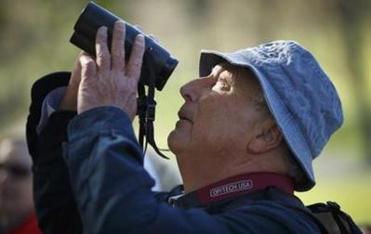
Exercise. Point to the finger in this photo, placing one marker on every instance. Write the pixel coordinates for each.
(88, 67)
(76, 72)
(102, 53)
(69, 100)
(118, 46)
(136, 58)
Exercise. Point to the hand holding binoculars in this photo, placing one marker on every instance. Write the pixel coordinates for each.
(158, 64)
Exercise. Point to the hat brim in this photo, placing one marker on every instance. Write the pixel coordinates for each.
(291, 131)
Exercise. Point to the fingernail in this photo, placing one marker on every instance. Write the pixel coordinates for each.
(83, 60)
(140, 37)
(120, 22)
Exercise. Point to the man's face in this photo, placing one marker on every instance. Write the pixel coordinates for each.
(15, 182)
(219, 115)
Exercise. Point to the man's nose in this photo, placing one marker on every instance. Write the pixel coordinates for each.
(194, 89)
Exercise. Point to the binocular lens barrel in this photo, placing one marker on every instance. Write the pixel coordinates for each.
(157, 61)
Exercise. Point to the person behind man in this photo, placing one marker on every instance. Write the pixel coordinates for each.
(17, 213)
(245, 140)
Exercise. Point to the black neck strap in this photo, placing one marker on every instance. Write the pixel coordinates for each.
(146, 113)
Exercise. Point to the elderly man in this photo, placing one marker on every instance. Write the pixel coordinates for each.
(17, 213)
(245, 140)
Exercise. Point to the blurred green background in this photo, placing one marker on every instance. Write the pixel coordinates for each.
(35, 35)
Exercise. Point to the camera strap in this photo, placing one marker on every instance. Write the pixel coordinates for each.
(146, 113)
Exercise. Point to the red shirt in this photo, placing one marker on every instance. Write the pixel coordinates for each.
(28, 227)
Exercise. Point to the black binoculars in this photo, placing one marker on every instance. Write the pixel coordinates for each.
(158, 64)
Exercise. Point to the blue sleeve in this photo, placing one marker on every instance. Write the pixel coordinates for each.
(55, 205)
(49, 106)
(113, 191)
(54, 201)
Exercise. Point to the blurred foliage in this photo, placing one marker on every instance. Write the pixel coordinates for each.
(35, 35)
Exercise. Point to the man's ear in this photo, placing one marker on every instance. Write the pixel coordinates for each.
(268, 137)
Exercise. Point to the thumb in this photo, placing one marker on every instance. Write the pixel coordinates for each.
(88, 67)
(76, 73)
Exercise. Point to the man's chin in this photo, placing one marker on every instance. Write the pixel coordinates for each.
(171, 141)
(176, 141)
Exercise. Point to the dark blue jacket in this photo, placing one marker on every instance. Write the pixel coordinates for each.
(113, 191)
(101, 186)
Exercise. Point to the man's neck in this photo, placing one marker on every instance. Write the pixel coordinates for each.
(197, 174)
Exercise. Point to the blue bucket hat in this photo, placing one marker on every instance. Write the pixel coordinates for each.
(300, 96)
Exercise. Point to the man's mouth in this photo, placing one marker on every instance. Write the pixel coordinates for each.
(183, 116)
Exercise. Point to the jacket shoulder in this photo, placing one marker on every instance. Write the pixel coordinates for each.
(270, 211)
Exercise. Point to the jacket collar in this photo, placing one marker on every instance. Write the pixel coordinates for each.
(231, 188)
